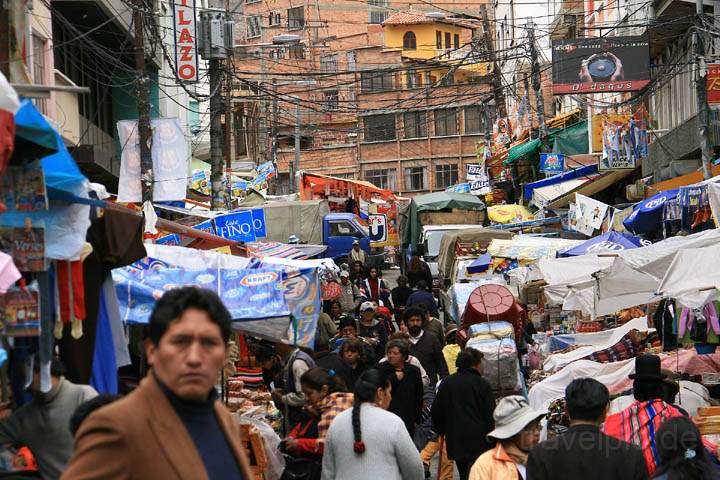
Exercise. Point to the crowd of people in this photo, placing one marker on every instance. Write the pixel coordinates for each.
(379, 397)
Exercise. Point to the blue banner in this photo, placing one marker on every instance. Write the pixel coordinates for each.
(552, 163)
(236, 226)
(258, 218)
(248, 294)
(205, 226)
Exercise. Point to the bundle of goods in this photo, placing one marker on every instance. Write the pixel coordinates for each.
(708, 422)
(241, 399)
(628, 347)
(493, 302)
(589, 327)
(557, 419)
(500, 361)
(251, 377)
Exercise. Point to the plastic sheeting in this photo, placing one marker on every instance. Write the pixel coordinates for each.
(693, 276)
(593, 342)
(615, 375)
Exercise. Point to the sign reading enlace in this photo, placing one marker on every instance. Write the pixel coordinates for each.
(186, 60)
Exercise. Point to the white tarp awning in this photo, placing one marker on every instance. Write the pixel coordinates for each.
(693, 276)
(544, 195)
(593, 342)
(565, 271)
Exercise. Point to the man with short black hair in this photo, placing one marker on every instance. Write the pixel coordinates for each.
(423, 297)
(424, 346)
(584, 452)
(463, 411)
(173, 425)
(42, 423)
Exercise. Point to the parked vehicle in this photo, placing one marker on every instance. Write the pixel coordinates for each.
(430, 247)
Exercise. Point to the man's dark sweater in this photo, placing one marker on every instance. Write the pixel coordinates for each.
(429, 352)
(202, 425)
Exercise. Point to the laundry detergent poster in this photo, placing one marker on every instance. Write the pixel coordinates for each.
(260, 300)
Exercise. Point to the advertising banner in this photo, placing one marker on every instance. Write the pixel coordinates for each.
(713, 84)
(599, 121)
(478, 180)
(624, 144)
(238, 226)
(169, 161)
(592, 211)
(377, 224)
(552, 163)
(600, 64)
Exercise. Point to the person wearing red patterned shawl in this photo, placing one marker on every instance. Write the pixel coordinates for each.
(639, 423)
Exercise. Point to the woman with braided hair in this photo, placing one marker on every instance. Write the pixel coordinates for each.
(367, 441)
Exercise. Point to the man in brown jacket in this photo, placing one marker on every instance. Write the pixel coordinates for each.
(173, 426)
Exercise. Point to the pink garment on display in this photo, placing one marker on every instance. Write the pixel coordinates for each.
(9, 273)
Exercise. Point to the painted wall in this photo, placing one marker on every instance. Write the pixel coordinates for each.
(425, 37)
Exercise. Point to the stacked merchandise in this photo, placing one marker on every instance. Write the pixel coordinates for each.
(500, 360)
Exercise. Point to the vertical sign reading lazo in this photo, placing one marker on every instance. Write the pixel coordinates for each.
(478, 179)
(186, 59)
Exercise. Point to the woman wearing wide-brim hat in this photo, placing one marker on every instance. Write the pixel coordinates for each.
(517, 430)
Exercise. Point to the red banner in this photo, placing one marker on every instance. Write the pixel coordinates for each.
(713, 84)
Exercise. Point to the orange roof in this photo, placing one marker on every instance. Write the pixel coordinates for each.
(408, 18)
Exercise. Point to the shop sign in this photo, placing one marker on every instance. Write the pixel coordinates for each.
(478, 180)
(552, 163)
(600, 64)
(713, 84)
(186, 55)
(377, 224)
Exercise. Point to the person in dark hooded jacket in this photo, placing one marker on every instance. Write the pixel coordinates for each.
(371, 329)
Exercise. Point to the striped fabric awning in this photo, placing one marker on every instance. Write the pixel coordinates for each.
(274, 249)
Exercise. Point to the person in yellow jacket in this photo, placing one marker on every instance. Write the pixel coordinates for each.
(517, 430)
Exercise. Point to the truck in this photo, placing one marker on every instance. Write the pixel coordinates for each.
(439, 208)
(430, 247)
(312, 222)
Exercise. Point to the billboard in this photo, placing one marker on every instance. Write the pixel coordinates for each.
(600, 64)
(478, 179)
(552, 163)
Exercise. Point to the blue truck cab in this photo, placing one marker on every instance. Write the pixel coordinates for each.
(340, 230)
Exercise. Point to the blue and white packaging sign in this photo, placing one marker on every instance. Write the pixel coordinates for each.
(205, 226)
(258, 219)
(236, 226)
(552, 163)
(377, 225)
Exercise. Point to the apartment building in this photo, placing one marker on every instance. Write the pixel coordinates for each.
(302, 68)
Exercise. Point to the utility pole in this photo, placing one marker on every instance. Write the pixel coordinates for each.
(526, 99)
(143, 103)
(535, 70)
(273, 125)
(701, 91)
(296, 164)
(5, 40)
(216, 39)
(498, 91)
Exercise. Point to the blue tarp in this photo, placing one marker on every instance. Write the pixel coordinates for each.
(647, 216)
(555, 179)
(610, 241)
(31, 128)
(481, 264)
(260, 297)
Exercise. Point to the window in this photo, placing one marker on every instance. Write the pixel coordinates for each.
(38, 69)
(330, 100)
(296, 18)
(383, 178)
(445, 122)
(378, 11)
(194, 116)
(456, 41)
(329, 62)
(296, 52)
(371, 81)
(351, 61)
(253, 26)
(273, 19)
(447, 79)
(475, 118)
(415, 124)
(343, 229)
(438, 39)
(414, 178)
(447, 40)
(413, 79)
(379, 128)
(446, 175)
(409, 41)
(277, 52)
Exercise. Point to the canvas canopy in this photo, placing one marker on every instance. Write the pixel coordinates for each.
(607, 242)
(435, 202)
(447, 255)
(693, 276)
(635, 275)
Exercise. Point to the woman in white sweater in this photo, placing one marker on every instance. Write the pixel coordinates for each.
(369, 442)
